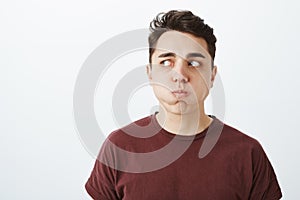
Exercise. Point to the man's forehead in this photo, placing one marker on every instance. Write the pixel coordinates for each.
(181, 43)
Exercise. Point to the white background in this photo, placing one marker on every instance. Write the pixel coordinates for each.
(44, 43)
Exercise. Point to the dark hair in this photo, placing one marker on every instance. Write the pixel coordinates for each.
(183, 21)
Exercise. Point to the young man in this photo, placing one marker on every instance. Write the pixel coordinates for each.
(161, 156)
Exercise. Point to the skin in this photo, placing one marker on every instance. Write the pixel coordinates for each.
(181, 76)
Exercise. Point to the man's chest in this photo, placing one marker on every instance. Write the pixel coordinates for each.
(188, 179)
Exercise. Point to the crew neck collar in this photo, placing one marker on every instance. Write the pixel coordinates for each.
(182, 137)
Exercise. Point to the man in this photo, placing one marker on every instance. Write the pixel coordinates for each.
(180, 152)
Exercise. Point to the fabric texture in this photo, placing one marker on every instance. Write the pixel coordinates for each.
(142, 161)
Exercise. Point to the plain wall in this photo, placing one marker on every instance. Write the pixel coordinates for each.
(43, 45)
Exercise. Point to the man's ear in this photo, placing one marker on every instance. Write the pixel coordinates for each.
(149, 71)
(213, 75)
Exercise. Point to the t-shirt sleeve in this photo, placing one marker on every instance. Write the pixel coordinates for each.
(99, 186)
(264, 181)
(101, 183)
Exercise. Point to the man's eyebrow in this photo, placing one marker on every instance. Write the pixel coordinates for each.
(171, 54)
(195, 55)
(168, 54)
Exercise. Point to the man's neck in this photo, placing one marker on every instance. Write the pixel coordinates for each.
(183, 124)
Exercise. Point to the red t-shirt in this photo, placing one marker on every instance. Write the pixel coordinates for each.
(142, 161)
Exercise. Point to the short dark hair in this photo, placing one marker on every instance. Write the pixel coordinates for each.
(183, 21)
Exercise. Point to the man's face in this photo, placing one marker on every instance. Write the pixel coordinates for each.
(181, 73)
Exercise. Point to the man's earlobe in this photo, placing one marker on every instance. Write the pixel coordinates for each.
(148, 68)
(213, 75)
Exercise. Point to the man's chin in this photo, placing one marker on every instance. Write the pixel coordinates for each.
(176, 107)
(181, 107)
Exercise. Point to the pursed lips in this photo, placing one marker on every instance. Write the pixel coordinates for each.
(180, 93)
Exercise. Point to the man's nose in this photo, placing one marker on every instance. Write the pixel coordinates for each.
(180, 71)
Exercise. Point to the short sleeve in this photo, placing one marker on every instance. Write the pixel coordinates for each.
(101, 183)
(264, 181)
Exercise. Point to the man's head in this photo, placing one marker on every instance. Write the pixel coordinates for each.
(182, 21)
(182, 49)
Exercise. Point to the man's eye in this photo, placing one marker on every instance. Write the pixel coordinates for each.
(166, 63)
(195, 63)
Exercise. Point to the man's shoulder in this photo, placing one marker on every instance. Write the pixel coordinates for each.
(146, 127)
(139, 129)
(236, 137)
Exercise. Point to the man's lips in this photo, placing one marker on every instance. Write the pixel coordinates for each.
(180, 93)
